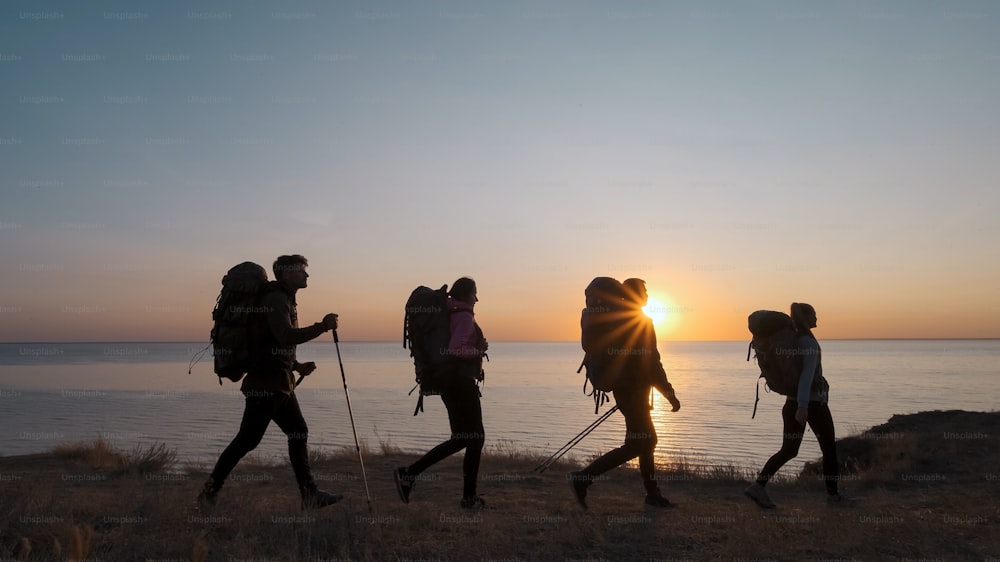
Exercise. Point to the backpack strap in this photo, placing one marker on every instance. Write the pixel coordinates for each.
(600, 397)
(406, 322)
(197, 357)
(586, 379)
(758, 397)
(420, 399)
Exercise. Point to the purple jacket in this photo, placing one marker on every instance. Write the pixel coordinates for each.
(466, 341)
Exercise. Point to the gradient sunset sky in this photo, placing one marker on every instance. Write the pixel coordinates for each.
(736, 155)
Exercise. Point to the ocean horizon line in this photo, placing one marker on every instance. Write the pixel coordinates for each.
(394, 341)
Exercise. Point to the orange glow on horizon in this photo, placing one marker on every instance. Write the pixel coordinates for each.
(695, 309)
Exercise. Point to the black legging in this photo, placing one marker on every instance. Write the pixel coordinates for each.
(465, 416)
(284, 410)
(640, 440)
(821, 422)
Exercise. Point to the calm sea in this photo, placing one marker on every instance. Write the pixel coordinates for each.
(138, 394)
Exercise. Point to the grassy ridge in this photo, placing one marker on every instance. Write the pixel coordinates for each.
(925, 487)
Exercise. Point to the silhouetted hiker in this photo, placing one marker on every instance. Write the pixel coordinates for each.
(269, 385)
(809, 405)
(460, 394)
(642, 371)
(647, 361)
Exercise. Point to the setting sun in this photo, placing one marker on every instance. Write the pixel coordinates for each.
(657, 311)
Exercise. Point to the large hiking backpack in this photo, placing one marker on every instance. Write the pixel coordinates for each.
(426, 332)
(236, 309)
(602, 336)
(775, 347)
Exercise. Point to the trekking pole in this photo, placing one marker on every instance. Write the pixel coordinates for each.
(357, 444)
(574, 441)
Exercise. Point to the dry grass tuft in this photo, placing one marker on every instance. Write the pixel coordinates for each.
(386, 446)
(200, 551)
(23, 549)
(99, 455)
(154, 459)
(81, 537)
(508, 450)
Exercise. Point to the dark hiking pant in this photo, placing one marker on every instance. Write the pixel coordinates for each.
(640, 441)
(257, 416)
(821, 422)
(465, 416)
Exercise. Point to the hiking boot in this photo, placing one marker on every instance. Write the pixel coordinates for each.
(314, 498)
(208, 496)
(656, 500)
(474, 502)
(404, 482)
(757, 493)
(579, 483)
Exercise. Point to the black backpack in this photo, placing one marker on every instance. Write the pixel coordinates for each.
(426, 332)
(776, 349)
(236, 310)
(603, 324)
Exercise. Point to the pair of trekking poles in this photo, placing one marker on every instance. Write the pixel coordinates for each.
(574, 441)
(350, 413)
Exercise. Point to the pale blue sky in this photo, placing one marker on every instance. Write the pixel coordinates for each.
(738, 155)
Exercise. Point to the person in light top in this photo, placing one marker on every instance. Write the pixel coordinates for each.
(809, 405)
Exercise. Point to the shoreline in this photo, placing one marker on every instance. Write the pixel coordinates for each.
(573, 341)
(919, 487)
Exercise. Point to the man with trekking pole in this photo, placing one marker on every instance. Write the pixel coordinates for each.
(631, 338)
(269, 385)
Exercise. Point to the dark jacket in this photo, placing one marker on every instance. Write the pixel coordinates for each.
(272, 342)
(644, 365)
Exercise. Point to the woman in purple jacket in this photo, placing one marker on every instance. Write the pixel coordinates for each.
(460, 394)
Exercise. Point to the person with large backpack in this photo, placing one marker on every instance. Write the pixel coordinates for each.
(614, 325)
(269, 384)
(647, 364)
(457, 382)
(807, 402)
